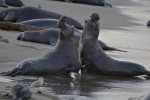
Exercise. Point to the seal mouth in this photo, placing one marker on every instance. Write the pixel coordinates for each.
(61, 23)
(94, 17)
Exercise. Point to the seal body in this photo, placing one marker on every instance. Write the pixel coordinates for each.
(16, 3)
(50, 36)
(20, 92)
(24, 13)
(99, 62)
(47, 36)
(42, 22)
(62, 59)
(90, 2)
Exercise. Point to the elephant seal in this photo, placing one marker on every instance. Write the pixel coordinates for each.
(62, 59)
(97, 61)
(50, 36)
(15, 3)
(20, 92)
(42, 22)
(24, 13)
(90, 2)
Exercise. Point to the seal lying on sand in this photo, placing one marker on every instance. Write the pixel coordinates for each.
(24, 13)
(99, 62)
(16, 3)
(50, 36)
(6, 3)
(42, 22)
(90, 2)
(63, 58)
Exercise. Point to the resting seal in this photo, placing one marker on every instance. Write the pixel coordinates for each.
(24, 13)
(62, 59)
(42, 22)
(90, 2)
(99, 62)
(16, 3)
(50, 36)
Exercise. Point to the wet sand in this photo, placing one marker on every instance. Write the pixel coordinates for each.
(123, 26)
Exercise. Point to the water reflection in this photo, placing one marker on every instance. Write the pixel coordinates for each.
(94, 87)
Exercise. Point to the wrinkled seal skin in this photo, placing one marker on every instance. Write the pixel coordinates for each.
(16, 3)
(20, 92)
(97, 61)
(24, 13)
(90, 2)
(63, 58)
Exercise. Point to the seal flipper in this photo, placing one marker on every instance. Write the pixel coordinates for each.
(13, 72)
(107, 48)
(9, 73)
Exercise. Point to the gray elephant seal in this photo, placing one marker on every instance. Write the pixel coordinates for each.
(97, 61)
(62, 59)
(16, 3)
(24, 13)
(50, 36)
(42, 22)
(20, 92)
(90, 2)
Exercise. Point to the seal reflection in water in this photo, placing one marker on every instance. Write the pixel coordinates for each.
(63, 58)
(99, 62)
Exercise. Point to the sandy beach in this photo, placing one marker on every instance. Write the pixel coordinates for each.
(123, 26)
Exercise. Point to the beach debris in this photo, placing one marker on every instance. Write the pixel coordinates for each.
(3, 39)
(20, 92)
(18, 27)
(38, 83)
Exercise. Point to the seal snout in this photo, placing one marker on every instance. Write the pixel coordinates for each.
(94, 17)
(61, 23)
